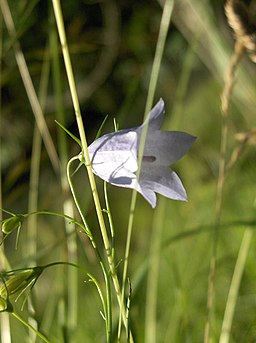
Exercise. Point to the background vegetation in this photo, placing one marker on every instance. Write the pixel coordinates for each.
(112, 45)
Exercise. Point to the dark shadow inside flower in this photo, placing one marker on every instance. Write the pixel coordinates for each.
(149, 159)
(122, 180)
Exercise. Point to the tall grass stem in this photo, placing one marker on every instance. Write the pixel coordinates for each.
(70, 75)
(225, 103)
(164, 26)
(153, 274)
(234, 286)
(72, 273)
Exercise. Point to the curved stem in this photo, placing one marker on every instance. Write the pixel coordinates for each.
(30, 327)
(89, 233)
(85, 153)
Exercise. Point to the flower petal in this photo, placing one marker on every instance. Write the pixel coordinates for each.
(114, 155)
(155, 117)
(162, 180)
(148, 195)
(132, 183)
(167, 146)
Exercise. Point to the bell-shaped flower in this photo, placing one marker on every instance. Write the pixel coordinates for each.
(114, 158)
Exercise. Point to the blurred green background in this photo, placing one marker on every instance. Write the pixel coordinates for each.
(112, 46)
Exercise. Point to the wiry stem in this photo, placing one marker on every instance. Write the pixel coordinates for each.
(165, 22)
(68, 65)
(225, 102)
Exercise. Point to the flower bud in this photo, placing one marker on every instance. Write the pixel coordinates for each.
(12, 223)
(16, 283)
(5, 305)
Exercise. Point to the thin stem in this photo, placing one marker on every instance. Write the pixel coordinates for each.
(86, 226)
(234, 286)
(31, 248)
(153, 271)
(107, 310)
(68, 65)
(71, 277)
(103, 267)
(225, 102)
(110, 220)
(165, 22)
(30, 327)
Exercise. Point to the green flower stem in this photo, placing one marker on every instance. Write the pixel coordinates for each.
(86, 227)
(234, 287)
(67, 61)
(110, 220)
(165, 22)
(30, 327)
(55, 214)
(68, 206)
(153, 274)
(106, 307)
(225, 103)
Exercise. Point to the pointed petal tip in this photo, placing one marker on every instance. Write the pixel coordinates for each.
(161, 101)
(160, 104)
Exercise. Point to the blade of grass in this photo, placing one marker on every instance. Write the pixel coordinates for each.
(164, 25)
(225, 102)
(30, 327)
(153, 272)
(31, 246)
(234, 286)
(193, 17)
(69, 71)
(72, 273)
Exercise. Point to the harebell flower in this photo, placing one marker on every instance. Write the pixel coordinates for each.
(114, 158)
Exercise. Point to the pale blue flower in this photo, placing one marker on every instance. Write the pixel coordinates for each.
(114, 158)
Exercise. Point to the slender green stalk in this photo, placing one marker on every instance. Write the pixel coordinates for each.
(71, 276)
(225, 102)
(31, 247)
(71, 219)
(108, 311)
(153, 271)
(234, 287)
(33, 194)
(106, 307)
(110, 220)
(68, 65)
(165, 22)
(30, 327)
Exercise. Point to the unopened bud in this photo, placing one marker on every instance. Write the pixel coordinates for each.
(5, 305)
(16, 283)
(11, 224)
